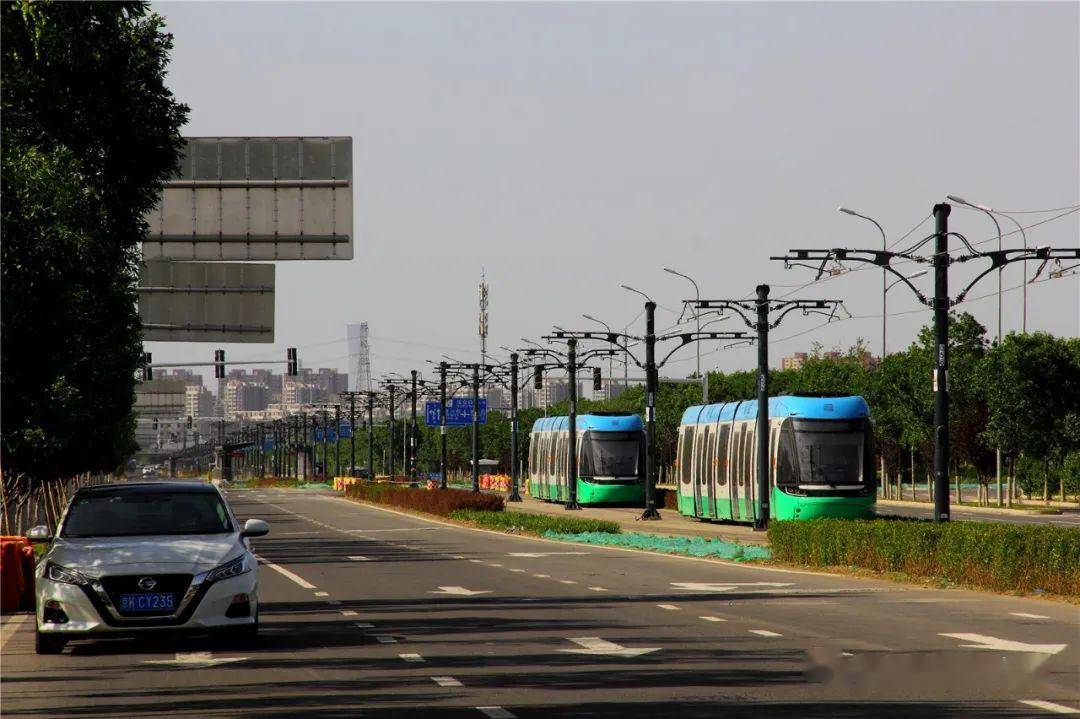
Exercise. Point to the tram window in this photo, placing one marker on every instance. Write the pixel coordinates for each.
(773, 432)
(747, 455)
(707, 455)
(722, 453)
(787, 458)
(735, 463)
(686, 456)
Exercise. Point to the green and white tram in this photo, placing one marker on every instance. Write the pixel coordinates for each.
(821, 452)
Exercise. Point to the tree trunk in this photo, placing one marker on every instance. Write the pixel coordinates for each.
(1046, 482)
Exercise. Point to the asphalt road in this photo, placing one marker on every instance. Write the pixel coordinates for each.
(376, 614)
(1067, 518)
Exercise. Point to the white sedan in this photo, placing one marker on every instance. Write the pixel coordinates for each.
(136, 558)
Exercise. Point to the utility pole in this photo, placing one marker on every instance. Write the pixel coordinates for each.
(414, 430)
(442, 425)
(476, 428)
(371, 436)
(337, 439)
(390, 460)
(650, 412)
(941, 263)
(515, 480)
(572, 475)
(764, 486)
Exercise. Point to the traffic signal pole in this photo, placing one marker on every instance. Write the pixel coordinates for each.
(941, 262)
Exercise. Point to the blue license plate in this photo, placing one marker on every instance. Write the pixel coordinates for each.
(158, 602)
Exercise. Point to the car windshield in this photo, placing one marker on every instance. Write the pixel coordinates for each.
(131, 512)
(830, 452)
(610, 454)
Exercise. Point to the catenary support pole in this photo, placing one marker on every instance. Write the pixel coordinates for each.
(941, 362)
(476, 428)
(761, 521)
(515, 479)
(370, 437)
(413, 430)
(390, 450)
(442, 426)
(650, 412)
(337, 440)
(352, 435)
(571, 448)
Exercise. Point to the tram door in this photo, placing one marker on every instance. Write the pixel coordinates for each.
(701, 468)
(721, 498)
(735, 468)
(750, 472)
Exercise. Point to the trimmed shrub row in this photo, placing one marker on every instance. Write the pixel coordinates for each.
(989, 555)
(534, 523)
(434, 501)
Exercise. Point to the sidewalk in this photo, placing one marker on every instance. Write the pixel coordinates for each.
(670, 524)
(1026, 510)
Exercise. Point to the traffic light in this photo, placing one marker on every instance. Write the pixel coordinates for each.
(292, 369)
(219, 364)
(190, 423)
(538, 377)
(597, 380)
(155, 424)
(147, 370)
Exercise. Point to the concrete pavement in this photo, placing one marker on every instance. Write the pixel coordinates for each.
(368, 612)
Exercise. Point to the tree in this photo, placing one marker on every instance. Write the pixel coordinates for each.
(90, 132)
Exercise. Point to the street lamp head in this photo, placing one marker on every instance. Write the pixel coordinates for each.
(846, 211)
(920, 273)
(958, 200)
(628, 288)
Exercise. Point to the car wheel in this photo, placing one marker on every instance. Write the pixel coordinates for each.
(46, 643)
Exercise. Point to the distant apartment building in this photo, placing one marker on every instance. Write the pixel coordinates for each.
(241, 396)
(199, 401)
(550, 394)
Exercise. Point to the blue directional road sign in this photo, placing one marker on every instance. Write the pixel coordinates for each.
(458, 412)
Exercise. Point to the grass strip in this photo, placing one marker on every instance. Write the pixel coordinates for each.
(688, 546)
(534, 523)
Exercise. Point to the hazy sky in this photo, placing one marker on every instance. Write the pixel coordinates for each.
(569, 148)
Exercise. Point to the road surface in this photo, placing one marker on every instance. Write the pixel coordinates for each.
(371, 613)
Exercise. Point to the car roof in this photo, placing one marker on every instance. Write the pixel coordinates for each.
(150, 488)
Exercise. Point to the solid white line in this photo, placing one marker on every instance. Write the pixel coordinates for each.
(357, 558)
(1025, 615)
(765, 633)
(496, 713)
(446, 681)
(1050, 706)
(383, 639)
(12, 627)
(348, 613)
(669, 607)
(411, 657)
(713, 619)
(303, 583)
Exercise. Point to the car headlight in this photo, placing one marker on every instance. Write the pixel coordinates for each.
(62, 574)
(235, 568)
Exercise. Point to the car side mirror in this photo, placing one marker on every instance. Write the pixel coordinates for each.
(255, 528)
(40, 533)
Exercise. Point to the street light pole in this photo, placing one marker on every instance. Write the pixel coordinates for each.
(515, 480)
(412, 435)
(390, 453)
(884, 279)
(761, 522)
(572, 458)
(941, 263)
(442, 425)
(476, 428)
(611, 358)
(371, 436)
(697, 345)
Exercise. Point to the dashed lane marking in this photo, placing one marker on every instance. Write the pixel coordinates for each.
(561, 581)
(1050, 706)
(357, 558)
(519, 571)
(348, 613)
(713, 619)
(542, 576)
(493, 564)
(333, 601)
(765, 633)
(322, 594)
(300, 581)
(383, 639)
(1025, 615)
(446, 681)
(414, 658)
(669, 607)
(597, 589)
(363, 625)
(496, 713)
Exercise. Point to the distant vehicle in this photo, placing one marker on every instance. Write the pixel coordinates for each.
(148, 471)
(147, 557)
(821, 454)
(611, 459)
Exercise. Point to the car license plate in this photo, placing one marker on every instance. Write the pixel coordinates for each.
(147, 602)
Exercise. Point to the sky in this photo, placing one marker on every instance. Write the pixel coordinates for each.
(565, 149)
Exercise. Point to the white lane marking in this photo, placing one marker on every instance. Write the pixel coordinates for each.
(363, 625)
(561, 581)
(460, 591)
(357, 558)
(11, 627)
(1025, 615)
(303, 583)
(398, 529)
(446, 681)
(383, 639)
(596, 646)
(725, 586)
(456, 556)
(765, 633)
(348, 613)
(713, 619)
(1050, 706)
(669, 607)
(196, 659)
(597, 589)
(477, 561)
(542, 576)
(519, 571)
(534, 555)
(981, 641)
(411, 657)
(493, 564)
(333, 601)
(496, 713)
(322, 594)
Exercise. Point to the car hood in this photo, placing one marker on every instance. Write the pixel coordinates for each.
(192, 553)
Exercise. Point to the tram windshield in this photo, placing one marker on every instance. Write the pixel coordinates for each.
(611, 454)
(832, 453)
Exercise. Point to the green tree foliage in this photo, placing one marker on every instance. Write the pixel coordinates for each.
(89, 134)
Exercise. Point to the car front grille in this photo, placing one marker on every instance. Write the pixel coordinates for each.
(176, 584)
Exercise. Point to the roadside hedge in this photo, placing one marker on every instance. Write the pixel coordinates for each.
(988, 555)
(434, 501)
(534, 523)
